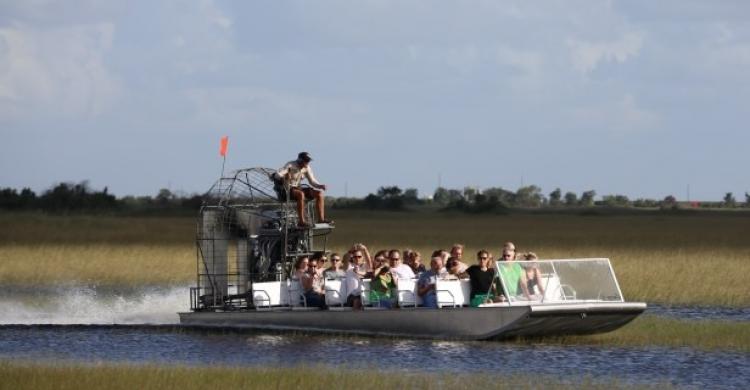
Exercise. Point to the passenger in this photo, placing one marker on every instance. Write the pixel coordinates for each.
(313, 283)
(415, 262)
(367, 264)
(454, 270)
(533, 275)
(406, 255)
(336, 269)
(384, 285)
(302, 274)
(318, 259)
(482, 277)
(444, 255)
(457, 252)
(353, 279)
(398, 268)
(513, 273)
(428, 280)
(380, 256)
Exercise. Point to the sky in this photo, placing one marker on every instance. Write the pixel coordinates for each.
(642, 98)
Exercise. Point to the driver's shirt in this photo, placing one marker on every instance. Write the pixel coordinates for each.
(293, 172)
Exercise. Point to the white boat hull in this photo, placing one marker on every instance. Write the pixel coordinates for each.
(466, 323)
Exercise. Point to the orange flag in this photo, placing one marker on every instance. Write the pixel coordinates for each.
(224, 144)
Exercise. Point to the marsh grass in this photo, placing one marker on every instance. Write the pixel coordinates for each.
(649, 331)
(673, 259)
(20, 375)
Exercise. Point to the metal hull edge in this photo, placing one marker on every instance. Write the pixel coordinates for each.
(496, 322)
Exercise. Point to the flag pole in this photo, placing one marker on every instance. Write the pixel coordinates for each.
(223, 152)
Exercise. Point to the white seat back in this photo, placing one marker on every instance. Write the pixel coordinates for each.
(335, 292)
(295, 293)
(267, 294)
(407, 293)
(552, 290)
(450, 293)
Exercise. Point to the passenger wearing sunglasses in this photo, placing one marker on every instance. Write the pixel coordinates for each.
(336, 270)
(353, 279)
(482, 277)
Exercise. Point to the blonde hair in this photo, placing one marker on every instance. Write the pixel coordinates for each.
(530, 256)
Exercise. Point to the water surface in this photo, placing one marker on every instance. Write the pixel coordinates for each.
(683, 367)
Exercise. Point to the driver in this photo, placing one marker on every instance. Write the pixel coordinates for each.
(290, 175)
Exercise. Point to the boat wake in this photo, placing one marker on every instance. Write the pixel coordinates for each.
(87, 306)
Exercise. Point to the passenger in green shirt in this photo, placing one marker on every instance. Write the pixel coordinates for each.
(513, 274)
(383, 283)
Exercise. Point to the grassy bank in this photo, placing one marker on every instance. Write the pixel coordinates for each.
(676, 259)
(667, 332)
(19, 375)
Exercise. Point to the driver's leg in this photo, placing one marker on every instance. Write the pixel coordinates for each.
(300, 197)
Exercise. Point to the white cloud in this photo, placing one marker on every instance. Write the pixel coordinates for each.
(586, 56)
(60, 71)
(621, 116)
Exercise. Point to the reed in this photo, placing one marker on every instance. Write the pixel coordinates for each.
(649, 331)
(674, 259)
(21, 375)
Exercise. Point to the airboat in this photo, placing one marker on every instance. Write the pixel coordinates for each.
(247, 239)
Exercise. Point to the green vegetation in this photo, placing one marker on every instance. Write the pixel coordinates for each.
(674, 259)
(649, 330)
(20, 375)
(80, 198)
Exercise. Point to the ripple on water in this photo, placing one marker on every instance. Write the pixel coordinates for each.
(700, 312)
(681, 367)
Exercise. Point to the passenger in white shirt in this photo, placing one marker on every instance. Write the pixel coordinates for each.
(353, 280)
(398, 268)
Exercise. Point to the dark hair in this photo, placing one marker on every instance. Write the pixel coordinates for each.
(437, 253)
(318, 255)
(392, 251)
(482, 252)
(304, 156)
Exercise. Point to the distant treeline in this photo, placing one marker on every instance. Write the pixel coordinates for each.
(497, 199)
(73, 197)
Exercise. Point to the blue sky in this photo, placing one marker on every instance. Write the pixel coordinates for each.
(641, 98)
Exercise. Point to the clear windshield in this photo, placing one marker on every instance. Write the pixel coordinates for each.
(586, 280)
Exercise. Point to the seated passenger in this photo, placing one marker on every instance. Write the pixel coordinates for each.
(513, 274)
(454, 270)
(533, 275)
(384, 284)
(366, 257)
(482, 279)
(336, 270)
(415, 262)
(317, 262)
(312, 284)
(398, 268)
(353, 280)
(428, 281)
(457, 252)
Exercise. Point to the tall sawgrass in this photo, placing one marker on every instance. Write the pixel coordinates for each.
(677, 259)
(20, 375)
(649, 331)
